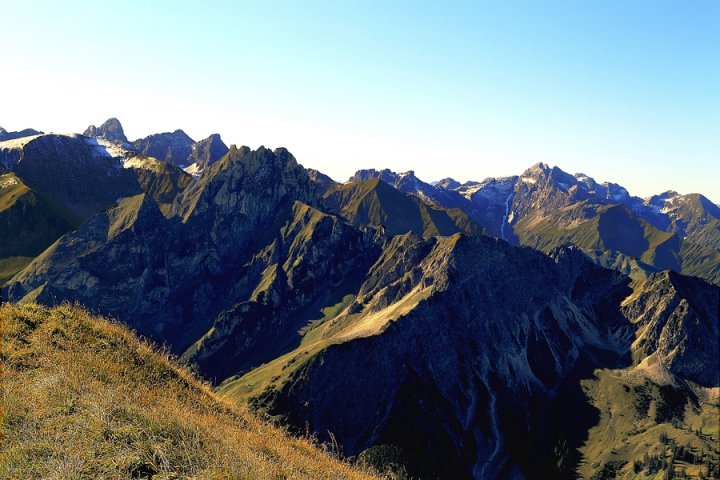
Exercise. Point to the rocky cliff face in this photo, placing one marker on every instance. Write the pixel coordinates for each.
(85, 175)
(56, 182)
(675, 317)
(493, 197)
(110, 130)
(321, 181)
(75, 171)
(205, 152)
(436, 333)
(177, 148)
(244, 236)
(315, 257)
(172, 147)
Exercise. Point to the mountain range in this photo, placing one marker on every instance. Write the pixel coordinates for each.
(535, 326)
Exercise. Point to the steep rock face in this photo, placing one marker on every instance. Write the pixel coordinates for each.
(160, 180)
(428, 337)
(213, 226)
(58, 181)
(313, 258)
(77, 172)
(171, 147)
(204, 153)
(691, 216)
(437, 332)
(374, 202)
(114, 262)
(242, 240)
(110, 130)
(241, 192)
(493, 197)
(85, 175)
(676, 319)
(322, 181)
(546, 189)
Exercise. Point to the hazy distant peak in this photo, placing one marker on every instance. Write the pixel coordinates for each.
(111, 130)
(5, 135)
(448, 183)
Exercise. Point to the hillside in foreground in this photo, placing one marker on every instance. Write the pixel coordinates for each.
(83, 398)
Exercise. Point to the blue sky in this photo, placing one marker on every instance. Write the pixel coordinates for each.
(622, 91)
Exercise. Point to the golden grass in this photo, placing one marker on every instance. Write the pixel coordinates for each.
(82, 397)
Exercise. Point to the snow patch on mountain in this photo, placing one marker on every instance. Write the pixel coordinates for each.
(195, 170)
(8, 181)
(18, 142)
(106, 148)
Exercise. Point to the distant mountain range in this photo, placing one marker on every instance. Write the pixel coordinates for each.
(545, 208)
(534, 326)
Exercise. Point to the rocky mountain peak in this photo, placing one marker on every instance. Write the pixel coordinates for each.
(247, 183)
(111, 130)
(448, 183)
(180, 134)
(323, 182)
(171, 147)
(677, 323)
(386, 175)
(205, 153)
(535, 173)
(537, 169)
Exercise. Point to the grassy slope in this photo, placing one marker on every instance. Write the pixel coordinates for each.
(618, 239)
(29, 223)
(105, 405)
(634, 411)
(374, 202)
(339, 326)
(625, 238)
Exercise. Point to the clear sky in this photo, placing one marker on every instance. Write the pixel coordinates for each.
(625, 91)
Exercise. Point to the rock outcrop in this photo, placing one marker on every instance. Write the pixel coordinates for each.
(205, 152)
(172, 147)
(110, 130)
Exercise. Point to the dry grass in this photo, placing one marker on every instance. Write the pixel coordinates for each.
(83, 398)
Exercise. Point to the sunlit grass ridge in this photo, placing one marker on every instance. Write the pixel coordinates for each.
(82, 397)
